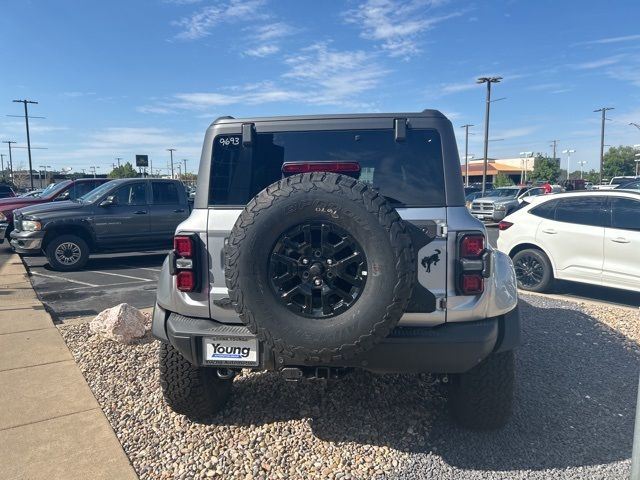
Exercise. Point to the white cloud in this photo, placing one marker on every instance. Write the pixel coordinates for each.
(599, 63)
(604, 41)
(77, 94)
(397, 24)
(272, 31)
(262, 50)
(316, 75)
(458, 87)
(201, 23)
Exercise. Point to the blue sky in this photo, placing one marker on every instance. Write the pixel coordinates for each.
(115, 78)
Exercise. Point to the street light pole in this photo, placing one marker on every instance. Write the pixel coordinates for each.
(488, 81)
(525, 164)
(26, 120)
(171, 150)
(604, 111)
(582, 163)
(466, 153)
(569, 152)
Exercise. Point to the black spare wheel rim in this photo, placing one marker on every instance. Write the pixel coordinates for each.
(317, 269)
(320, 268)
(529, 271)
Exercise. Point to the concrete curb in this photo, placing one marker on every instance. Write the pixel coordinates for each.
(51, 425)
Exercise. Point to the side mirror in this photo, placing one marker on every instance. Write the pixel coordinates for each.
(107, 202)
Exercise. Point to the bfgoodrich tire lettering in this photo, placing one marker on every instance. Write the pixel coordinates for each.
(196, 392)
(482, 398)
(350, 206)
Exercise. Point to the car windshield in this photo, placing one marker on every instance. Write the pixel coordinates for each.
(504, 192)
(53, 189)
(96, 193)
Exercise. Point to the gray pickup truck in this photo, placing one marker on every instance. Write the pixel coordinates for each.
(118, 216)
(501, 202)
(320, 244)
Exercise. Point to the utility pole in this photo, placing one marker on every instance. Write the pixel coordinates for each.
(604, 111)
(466, 154)
(9, 142)
(554, 144)
(2, 165)
(171, 150)
(25, 102)
(568, 152)
(151, 166)
(118, 160)
(93, 169)
(488, 81)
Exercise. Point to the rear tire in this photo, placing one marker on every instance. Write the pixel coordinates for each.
(67, 253)
(482, 398)
(533, 270)
(196, 392)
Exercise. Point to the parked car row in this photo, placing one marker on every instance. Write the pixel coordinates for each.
(73, 219)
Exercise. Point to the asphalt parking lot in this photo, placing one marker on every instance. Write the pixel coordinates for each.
(107, 280)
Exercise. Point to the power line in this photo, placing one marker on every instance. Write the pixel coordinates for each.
(603, 110)
(25, 102)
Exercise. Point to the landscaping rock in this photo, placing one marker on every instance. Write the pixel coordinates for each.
(122, 323)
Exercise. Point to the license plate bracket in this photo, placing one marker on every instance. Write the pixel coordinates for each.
(231, 351)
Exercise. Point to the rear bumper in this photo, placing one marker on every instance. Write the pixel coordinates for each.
(449, 348)
(27, 242)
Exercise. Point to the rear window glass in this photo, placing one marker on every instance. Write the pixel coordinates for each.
(165, 193)
(546, 210)
(408, 173)
(582, 210)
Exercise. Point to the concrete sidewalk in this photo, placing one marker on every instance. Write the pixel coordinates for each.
(51, 426)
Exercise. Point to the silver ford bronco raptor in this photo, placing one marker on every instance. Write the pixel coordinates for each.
(320, 244)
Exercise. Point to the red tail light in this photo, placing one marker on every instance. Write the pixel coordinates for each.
(472, 246)
(306, 167)
(186, 281)
(472, 283)
(184, 262)
(504, 225)
(183, 246)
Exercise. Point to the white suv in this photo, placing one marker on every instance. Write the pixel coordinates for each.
(590, 237)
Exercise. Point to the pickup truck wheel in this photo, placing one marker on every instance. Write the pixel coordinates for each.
(320, 267)
(482, 398)
(67, 252)
(196, 392)
(533, 270)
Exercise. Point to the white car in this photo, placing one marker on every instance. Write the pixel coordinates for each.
(589, 236)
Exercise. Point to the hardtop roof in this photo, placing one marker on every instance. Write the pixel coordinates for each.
(423, 114)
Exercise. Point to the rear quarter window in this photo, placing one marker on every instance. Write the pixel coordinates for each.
(546, 210)
(407, 173)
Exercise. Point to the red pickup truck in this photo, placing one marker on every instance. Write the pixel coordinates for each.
(56, 192)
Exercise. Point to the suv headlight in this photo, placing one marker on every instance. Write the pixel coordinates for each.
(500, 206)
(31, 225)
(3, 217)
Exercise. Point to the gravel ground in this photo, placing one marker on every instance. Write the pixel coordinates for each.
(575, 402)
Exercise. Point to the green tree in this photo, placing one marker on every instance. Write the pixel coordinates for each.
(502, 180)
(592, 176)
(619, 161)
(545, 168)
(124, 171)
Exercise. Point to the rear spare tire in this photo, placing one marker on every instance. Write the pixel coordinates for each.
(319, 267)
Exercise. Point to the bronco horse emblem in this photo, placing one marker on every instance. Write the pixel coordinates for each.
(432, 259)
